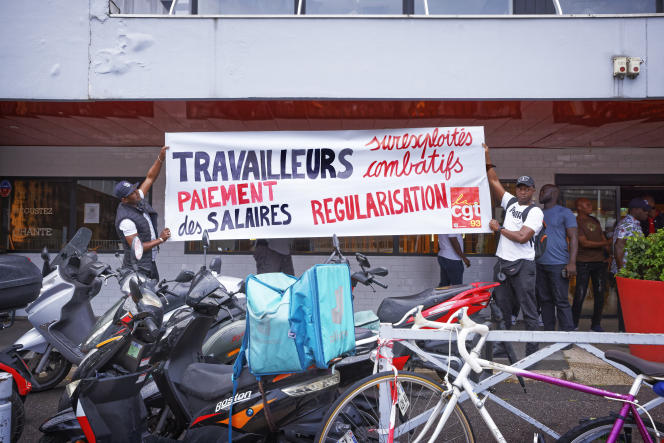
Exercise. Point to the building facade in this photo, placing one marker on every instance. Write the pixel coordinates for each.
(90, 87)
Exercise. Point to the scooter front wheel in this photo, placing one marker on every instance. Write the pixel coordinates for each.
(54, 371)
(18, 416)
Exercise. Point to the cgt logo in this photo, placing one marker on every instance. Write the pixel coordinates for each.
(466, 207)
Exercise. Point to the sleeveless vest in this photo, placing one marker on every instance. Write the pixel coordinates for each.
(135, 214)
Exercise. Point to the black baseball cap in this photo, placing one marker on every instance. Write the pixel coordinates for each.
(526, 180)
(124, 189)
(638, 202)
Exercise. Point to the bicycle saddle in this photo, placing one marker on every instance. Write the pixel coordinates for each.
(392, 309)
(636, 364)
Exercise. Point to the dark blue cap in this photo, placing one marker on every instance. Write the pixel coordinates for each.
(526, 180)
(124, 189)
(638, 202)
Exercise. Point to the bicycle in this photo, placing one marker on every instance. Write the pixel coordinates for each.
(403, 406)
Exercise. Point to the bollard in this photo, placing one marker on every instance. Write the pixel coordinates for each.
(5, 407)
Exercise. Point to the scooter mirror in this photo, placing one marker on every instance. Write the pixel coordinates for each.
(335, 241)
(184, 276)
(215, 265)
(381, 272)
(137, 248)
(44, 254)
(206, 239)
(362, 260)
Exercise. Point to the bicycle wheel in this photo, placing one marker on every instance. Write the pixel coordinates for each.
(355, 415)
(600, 428)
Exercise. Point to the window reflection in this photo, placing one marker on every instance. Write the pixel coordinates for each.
(38, 215)
(608, 6)
(465, 7)
(604, 202)
(40, 212)
(95, 209)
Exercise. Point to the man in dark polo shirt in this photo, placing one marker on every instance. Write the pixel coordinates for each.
(590, 263)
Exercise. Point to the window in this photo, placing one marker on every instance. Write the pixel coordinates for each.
(465, 7)
(609, 6)
(38, 212)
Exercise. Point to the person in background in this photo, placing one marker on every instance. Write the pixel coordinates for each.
(451, 259)
(590, 264)
(515, 266)
(655, 220)
(629, 226)
(273, 255)
(135, 217)
(558, 263)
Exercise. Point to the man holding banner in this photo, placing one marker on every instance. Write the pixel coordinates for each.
(135, 217)
(516, 268)
(273, 255)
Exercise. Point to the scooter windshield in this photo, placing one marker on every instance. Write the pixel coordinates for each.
(203, 285)
(77, 246)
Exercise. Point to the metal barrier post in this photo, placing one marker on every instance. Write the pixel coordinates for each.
(5, 407)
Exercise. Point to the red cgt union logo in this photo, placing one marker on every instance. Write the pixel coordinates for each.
(465, 207)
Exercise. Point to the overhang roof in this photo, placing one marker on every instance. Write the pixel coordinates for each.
(539, 124)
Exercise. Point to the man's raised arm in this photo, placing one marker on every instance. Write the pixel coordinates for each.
(154, 171)
(494, 183)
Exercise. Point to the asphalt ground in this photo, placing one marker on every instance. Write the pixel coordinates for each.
(560, 409)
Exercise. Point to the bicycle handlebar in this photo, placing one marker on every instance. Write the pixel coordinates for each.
(463, 328)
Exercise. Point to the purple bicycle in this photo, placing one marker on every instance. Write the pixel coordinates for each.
(408, 407)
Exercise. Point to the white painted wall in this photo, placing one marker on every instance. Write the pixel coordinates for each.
(72, 50)
(408, 275)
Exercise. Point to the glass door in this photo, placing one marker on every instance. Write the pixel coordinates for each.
(606, 209)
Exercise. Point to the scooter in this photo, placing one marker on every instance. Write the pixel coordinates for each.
(62, 315)
(64, 322)
(106, 400)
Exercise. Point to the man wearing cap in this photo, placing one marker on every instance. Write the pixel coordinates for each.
(655, 220)
(135, 217)
(516, 254)
(629, 226)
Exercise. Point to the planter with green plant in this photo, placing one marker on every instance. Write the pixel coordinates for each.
(641, 291)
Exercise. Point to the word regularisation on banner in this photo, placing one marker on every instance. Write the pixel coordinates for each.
(312, 184)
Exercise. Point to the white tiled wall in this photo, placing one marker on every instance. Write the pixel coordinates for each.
(408, 275)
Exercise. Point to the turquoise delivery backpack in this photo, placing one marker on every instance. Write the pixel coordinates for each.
(294, 323)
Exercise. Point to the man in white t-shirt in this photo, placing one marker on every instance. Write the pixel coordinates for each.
(451, 259)
(516, 267)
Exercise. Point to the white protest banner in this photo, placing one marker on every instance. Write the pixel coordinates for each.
(240, 185)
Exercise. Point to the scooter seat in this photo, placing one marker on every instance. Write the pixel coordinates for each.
(392, 309)
(209, 381)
